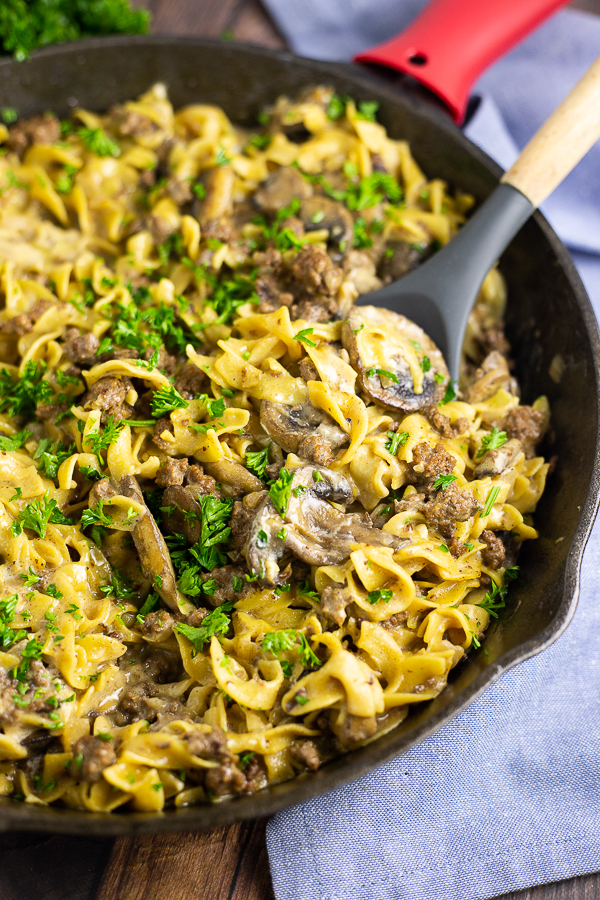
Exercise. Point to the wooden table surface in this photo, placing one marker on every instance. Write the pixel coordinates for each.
(226, 863)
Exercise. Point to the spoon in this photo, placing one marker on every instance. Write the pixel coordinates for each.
(440, 294)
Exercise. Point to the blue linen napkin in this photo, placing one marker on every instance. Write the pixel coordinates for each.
(507, 794)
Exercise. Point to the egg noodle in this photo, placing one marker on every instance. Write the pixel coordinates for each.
(244, 524)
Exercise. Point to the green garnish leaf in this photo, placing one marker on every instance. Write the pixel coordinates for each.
(15, 442)
(280, 491)
(384, 594)
(97, 140)
(20, 396)
(443, 481)
(166, 400)
(281, 641)
(449, 395)
(383, 373)
(37, 514)
(491, 499)
(216, 622)
(492, 441)
(256, 462)
(396, 439)
(303, 337)
(367, 110)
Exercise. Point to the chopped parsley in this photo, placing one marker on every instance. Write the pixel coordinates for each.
(20, 396)
(280, 641)
(384, 594)
(443, 481)
(101, 440)
(303, 337)
(51, 456)
(336, 107)
(150, 604)
(8, 115)
(97, 140)
(491, 499)
(361, 237)
(166, 400)
(8, 636)
(95, 515)
(396, 439)
(216, 622)
(256, 462)
(64, 182)
(383, 373)
(214, 407)
(37, 514)
(15, 442)
(367, 110)
(449, 395)
(425, 364)
(280, 491)
(492, 441)
(208, 552)
(227, 296)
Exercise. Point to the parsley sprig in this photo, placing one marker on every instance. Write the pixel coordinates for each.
(492, 441)
(396, 439)
(216, 622)
(281, 641)
(496, 598)
(38, 514)
(443, 481)
(281, 490)
(166, 400)
(20, 396)
(256, 462)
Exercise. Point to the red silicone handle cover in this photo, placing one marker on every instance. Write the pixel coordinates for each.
(451, 42)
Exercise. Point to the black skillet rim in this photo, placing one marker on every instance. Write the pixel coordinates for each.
(344, 769)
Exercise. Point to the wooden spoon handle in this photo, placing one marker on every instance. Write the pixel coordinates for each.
(561, 142)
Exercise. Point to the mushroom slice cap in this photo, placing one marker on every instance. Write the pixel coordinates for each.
(289, 425)
(312, 529)
(234, 478)
(398, 365)
(153, 552)
(319, 213)
(281, 187)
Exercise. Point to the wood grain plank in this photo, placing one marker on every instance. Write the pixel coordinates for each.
(250, 23)
(190, 17)
(227, 863)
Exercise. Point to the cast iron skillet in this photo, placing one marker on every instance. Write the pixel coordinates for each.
(548, 314)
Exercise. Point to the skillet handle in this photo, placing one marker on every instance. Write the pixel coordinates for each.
(452, 42)
(561, 142)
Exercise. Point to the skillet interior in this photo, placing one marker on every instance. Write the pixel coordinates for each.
(548, 314)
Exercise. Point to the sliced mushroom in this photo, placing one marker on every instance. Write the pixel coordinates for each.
(181, 512)
(302, 429)
(219, 195)
(403, 258)
(492, 375)
(398, 365)
(152, 550)
(312, 529)
(319, 213)
(494, 462)
(280, 188)
(235, 479)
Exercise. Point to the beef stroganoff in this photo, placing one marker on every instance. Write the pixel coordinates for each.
(245, 524)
